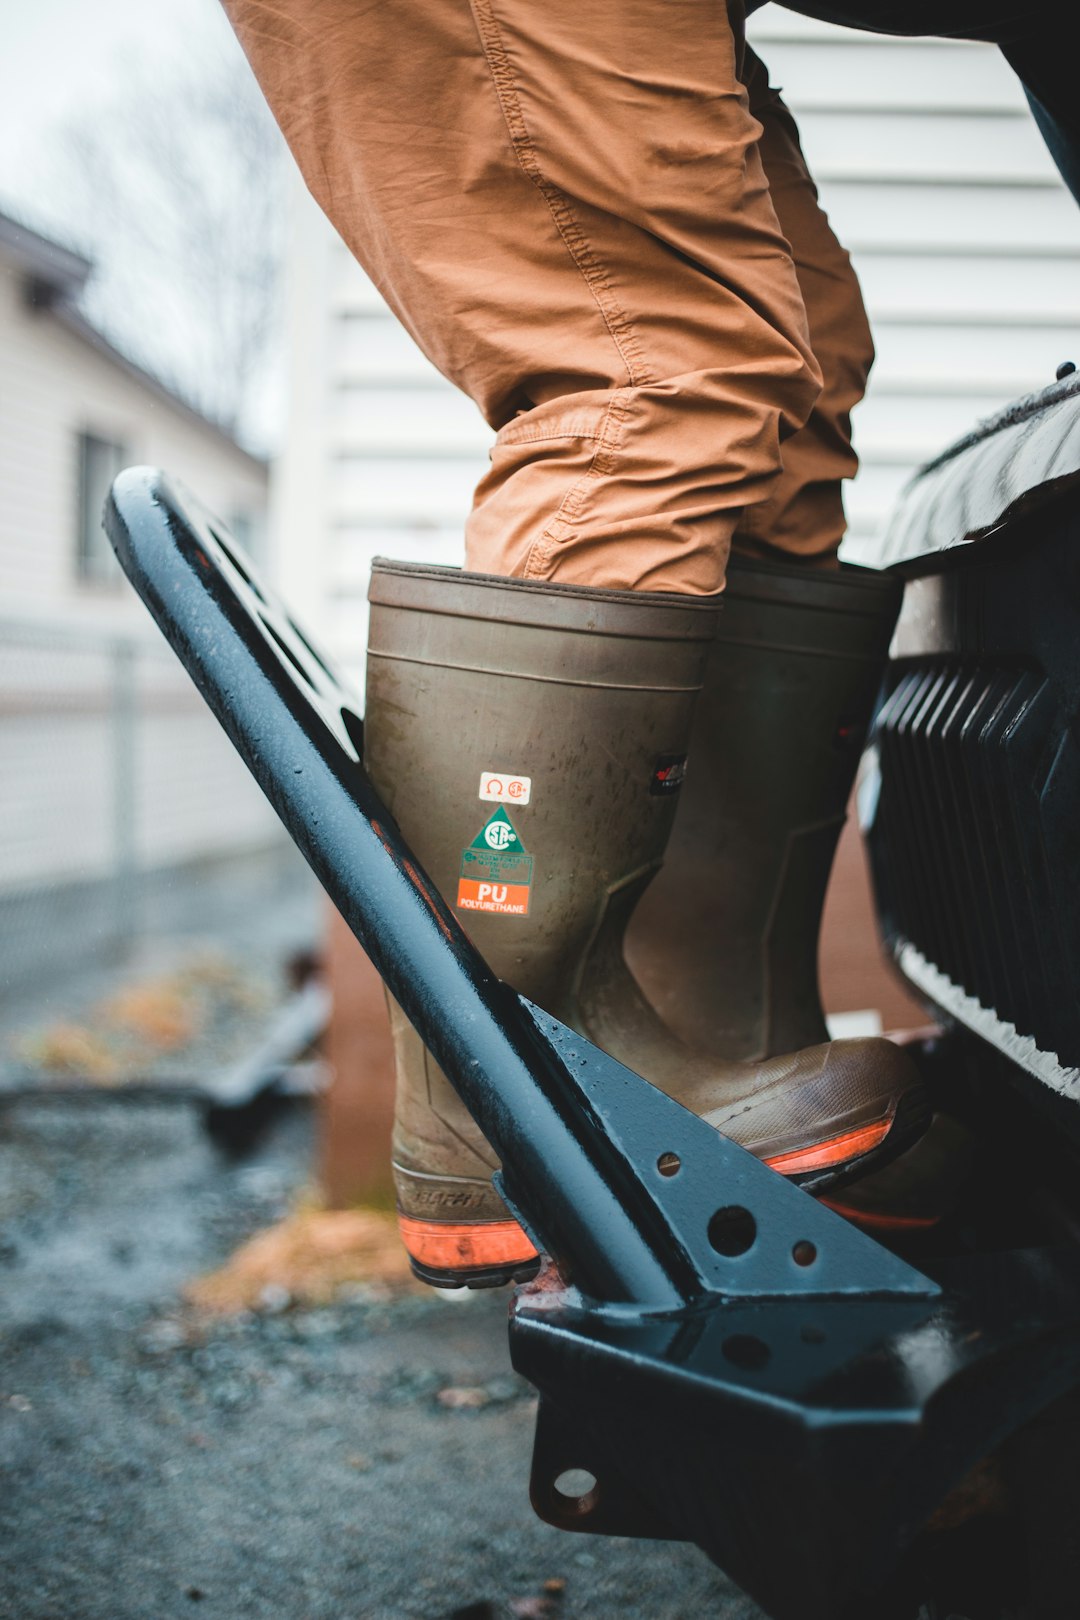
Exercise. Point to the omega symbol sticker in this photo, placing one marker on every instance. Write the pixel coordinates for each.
(505, 787)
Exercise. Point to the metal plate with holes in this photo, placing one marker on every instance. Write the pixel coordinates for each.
(727, 1359)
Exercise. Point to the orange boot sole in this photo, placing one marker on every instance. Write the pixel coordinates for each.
(487, 1254)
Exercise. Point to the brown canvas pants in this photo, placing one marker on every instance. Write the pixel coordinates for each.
(594, 217)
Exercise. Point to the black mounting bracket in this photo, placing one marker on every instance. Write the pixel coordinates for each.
(730, 1360)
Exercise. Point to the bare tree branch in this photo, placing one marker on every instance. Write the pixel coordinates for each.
(175, 189)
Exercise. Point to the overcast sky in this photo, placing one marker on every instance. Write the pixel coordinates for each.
(59, 61)
(58, 56)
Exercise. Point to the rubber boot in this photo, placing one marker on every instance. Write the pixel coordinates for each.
(725, 942)
(531, 742)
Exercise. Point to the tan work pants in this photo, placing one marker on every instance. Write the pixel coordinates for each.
(594, 217)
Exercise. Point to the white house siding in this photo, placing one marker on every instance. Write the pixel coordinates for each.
(79, 794)
(54, 385)
(965, 240)
(932, 170)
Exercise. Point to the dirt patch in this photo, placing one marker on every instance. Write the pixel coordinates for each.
(154, 1026)
(309, 1258)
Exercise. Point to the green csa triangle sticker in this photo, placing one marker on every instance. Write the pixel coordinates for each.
(496, 873)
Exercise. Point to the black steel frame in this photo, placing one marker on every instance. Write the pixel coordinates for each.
(731, 1361)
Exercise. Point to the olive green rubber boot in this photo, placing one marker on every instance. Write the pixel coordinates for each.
(531, 740)
(725, 943)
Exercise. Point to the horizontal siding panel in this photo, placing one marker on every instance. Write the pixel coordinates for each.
(58, 758)
(354, 548)
(194, 797)
(351, 290)
(872, 495)
(419, 491)
(420, 420)
(933, 146)
(914, 74)
(776, 23)
(24, 567)
(1008, 360)
(986, 220)
(59, 822)
(377, 346)
(915, 427)
(966, 288)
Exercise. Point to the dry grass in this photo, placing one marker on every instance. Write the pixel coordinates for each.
(307, 1259)
(72, 1049)
(125, 1036)
(157, 1014)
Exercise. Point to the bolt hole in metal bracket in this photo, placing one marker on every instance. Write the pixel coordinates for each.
(722, 1354)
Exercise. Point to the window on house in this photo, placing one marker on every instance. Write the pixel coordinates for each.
(99, 462)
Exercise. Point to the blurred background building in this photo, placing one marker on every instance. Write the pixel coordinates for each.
(119, 791)
(148, 896)
(123, 815)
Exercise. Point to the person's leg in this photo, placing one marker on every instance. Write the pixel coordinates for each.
(804, 517)
(591, 695)
(566, 206)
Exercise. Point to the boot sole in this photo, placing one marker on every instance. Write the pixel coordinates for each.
(468, 1254)
(491, 1254)
(846, 1158)
(478, 1277)
(927, 1189)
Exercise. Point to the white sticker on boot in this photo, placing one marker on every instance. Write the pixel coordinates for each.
(504, 787)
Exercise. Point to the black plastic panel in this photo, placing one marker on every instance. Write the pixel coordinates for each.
(975, 843)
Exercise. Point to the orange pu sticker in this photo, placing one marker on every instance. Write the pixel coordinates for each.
(510, 898)
(496, 870)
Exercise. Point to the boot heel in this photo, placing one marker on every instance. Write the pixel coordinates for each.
(468, 1254)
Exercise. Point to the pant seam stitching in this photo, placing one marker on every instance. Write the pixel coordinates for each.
(551, 434)
(602, 465)
(573, 237)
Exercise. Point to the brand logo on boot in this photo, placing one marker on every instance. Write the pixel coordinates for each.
(496, 870)
(669, 774)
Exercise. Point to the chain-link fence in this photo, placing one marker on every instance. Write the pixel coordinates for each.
(123, 807)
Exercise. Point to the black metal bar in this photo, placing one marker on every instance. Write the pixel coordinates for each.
(216, 615)
(578, 1134)
(797, 1417)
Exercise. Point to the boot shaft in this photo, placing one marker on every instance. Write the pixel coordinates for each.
(725, 940)
(529, 739)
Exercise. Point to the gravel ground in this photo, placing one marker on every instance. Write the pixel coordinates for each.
(299, 1465)
(181, 1004)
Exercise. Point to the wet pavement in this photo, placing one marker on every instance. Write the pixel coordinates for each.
(363, 1460)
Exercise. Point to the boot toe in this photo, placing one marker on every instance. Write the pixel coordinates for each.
(822, 1113)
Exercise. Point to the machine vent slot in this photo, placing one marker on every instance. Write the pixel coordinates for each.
(970, 846)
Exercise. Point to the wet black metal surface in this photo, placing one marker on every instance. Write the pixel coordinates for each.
(731, 1361)
(579, 1134)
(801, 1445)
(973, 842)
